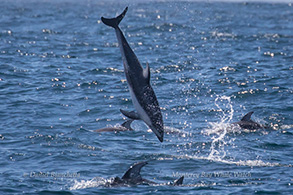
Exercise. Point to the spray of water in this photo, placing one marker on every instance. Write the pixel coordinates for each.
(218, 130)
(219, 133)
(95, 182)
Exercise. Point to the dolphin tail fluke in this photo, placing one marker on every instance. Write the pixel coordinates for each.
(134, 171)
(127, 124)
(178, 181)
(247, 117)
(132, 115)
(114, 22)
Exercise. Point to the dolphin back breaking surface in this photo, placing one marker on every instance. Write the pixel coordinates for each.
(133, 177)
(138, 79)
(247, 123)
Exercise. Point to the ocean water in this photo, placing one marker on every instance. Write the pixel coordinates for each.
(61, 77)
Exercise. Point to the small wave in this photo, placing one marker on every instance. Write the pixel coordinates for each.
(286, 127)
(173, 130)
(249, 163)
(222, 35)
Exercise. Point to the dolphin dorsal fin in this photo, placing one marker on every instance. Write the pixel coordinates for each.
(147, 73)
(132, 115)
(178, 181)
(127, 124)
(134, 171)
(247, 117)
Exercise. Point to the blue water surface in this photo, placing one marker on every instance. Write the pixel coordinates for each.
(62, 77)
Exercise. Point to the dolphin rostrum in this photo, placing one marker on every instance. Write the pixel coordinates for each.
(133, 177)
(247, 123)
(124, 127)
(138, 79)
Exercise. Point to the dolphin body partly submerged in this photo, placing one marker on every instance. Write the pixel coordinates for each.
(132, 115)
(124, 127)
(133, 177)
(138, 79)
(247, 123)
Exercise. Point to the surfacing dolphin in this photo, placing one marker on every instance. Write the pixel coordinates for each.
(138, 79)
(247, 123)
(124, 127)
(133, 177)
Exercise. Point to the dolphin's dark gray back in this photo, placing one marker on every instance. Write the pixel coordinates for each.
(128, 56)
(247, 123)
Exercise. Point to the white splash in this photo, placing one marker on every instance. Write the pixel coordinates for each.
(220, 129)
(95, 182)
(226, 116)
(220, 140)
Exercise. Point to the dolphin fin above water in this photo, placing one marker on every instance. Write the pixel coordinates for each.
(138, 80)
(178, 181)
(247, 123)
(247, 117)
(132, 177)
(127, 124)
(133, 173)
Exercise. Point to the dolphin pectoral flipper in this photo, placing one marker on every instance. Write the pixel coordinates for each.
(178, 181)
(247, 117)
(114, 22)
(127, 124)
(132, 115)
(133, 173)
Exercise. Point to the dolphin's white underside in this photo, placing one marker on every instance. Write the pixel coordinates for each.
(141, 112)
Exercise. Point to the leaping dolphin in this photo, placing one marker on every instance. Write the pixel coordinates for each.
(247, 123)
(133, 177)
(138, 79)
